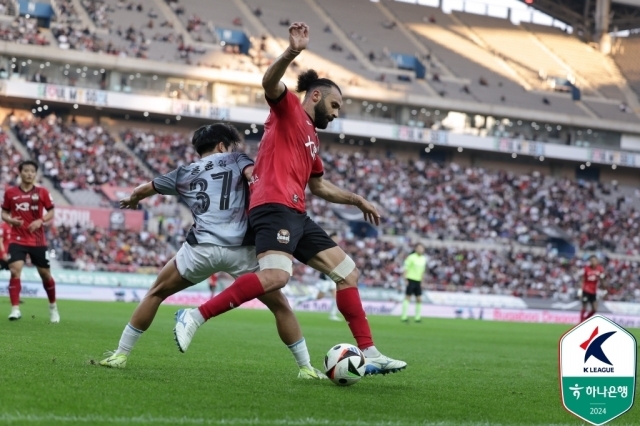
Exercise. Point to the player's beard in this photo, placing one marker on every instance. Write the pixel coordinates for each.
(322, 117)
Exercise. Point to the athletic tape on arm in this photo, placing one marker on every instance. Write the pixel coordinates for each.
(276, 261)
(343, 270)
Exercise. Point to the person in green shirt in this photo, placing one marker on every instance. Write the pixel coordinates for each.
(414, 268)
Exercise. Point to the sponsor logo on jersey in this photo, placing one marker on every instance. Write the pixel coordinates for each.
(295, 198)
(35, 197)
(283, 236)
(313, 149)
(22, 207)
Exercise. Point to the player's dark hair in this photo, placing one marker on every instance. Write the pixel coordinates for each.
(309, 80)
(207, 137)
(27, 163)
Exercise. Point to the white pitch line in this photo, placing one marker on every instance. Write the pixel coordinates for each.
(21, 418)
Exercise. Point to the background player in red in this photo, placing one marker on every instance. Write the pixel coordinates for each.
(23, 208)
(288, 161)
(593, 273)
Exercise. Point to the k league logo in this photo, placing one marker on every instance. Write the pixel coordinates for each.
(593, 348)
(597, 361)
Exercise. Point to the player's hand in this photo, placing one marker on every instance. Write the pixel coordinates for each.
(298, 36)
(36, 224)
(371, 214)
(14, 221)
(129, 203)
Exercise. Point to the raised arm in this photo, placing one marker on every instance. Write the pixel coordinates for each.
(328, 191)
(298, 41)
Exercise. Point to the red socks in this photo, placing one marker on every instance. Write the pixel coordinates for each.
(245, 288)
(14, 291)
(582, 312)
(590, 314)
(350, 306)
(50, 288)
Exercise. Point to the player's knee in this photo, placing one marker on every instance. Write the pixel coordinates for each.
(273, 279)
(45, 275)
(345, 274)
(275, 270)
(15, 272)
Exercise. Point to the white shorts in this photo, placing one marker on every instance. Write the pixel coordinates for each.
(325, 286)
(196, 264)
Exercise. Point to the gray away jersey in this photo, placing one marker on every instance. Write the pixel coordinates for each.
(217, 193)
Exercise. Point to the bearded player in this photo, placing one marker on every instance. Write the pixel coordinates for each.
(593, 273)
(287, 162)
(23, 208)
(215, 189)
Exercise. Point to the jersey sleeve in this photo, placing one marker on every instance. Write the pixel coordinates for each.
(408, 261)
(243, 161)
(166, 184)
(47, 199)
(284, 103)
(6, 203)
(317, 169)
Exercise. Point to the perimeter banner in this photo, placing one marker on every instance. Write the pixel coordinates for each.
(88, 217)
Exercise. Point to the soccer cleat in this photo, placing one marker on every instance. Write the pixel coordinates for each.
(335, 318)
(383, 365)
(185, 329)
(404, 320)
(15, 314)
(418, 320)
(114, 361)
(54, 316)
(310, 373)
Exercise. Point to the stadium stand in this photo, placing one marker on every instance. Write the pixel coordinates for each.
(627, 56)
(9, 160)
(78, 157)
(109, 250)
(450, 202)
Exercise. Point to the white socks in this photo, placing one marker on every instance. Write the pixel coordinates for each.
(130, 336)
(300, 353)
(197, 316)
(53, 306)
(371, 352)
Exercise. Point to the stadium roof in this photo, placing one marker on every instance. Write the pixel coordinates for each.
(580, 14)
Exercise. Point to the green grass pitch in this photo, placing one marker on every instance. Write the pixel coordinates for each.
(237, 372)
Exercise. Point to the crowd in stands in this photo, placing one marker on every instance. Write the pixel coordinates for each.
(77, 156)
(9, 160)
(108, 250)
(162, 151)
(485, 271)
(450, 202)
(23, 31)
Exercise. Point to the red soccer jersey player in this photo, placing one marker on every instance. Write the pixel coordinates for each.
(23, 208)
(288, 161)
(593, 273)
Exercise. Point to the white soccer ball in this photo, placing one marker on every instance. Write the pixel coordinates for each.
(344, 364)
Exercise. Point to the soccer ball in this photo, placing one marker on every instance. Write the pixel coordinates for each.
(344, 364)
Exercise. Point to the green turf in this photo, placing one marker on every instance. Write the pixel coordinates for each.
(237, 372)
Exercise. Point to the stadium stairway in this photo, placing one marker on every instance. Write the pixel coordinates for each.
(58, 198)
(85, 20)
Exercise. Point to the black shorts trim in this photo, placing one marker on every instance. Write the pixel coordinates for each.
(280, 228)
(589, 297)
(38, 255)
(413, 288)
(3, 265)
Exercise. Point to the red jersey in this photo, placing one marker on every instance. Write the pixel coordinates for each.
(288, 155)
(28, 206)
(5, 234)
(592, 277)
